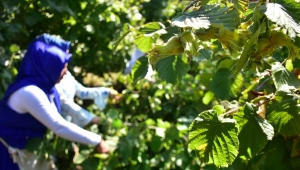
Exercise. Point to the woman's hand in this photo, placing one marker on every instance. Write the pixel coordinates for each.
(115, 96)
(102, 147)
(113, 93)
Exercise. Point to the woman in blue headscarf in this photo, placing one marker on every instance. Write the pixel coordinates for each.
(30, 106)
(69, 87)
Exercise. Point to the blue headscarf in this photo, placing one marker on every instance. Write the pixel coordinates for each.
(41, 66)
(63, 45)
(54, 40)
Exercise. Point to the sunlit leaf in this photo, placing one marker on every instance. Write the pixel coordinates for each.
(160, 132)
(281, 76)
(208, 15)
(14, 48)
(255, 132)
(152, 28)
(241, 5)
(214, 138)
(144, 42)
(283, 112)
(172, 69)
(277, 13)
(117, 123)
(292, 7)
(209, 95)
(266, 127)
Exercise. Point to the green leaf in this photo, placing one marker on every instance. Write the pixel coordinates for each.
(150, 122)
(91, 163)
(241, 5)
(214, 138)
(277, 155)
(249, 50)
(255, 131)
(291, 7)
(225, 62)
(172, 69)
(117, 124)
(14, 48)
(79, 158)
(156, 144)
(224, 86)
(144, 42)
(277, 14)
(282, 77)
(33, 144)
(283, 112)
(148, 34)
(204, 55)
(140, 69)
(208, 96)
(208, 15)
(219, 109)
(125, 150)
(172, 133)
(266, 127)
(152, 28)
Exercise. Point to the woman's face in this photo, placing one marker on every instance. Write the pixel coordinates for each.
(63, 72)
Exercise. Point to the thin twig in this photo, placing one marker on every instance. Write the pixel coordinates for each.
(190, 5)
(230, 112)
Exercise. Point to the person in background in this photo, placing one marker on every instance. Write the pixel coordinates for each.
(31, 105)
(69, 87)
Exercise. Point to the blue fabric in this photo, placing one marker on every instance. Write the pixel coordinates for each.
(41, 66)
(5, 160)
(53, 40)
(63, 45)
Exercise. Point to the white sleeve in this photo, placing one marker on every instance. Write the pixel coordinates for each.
(75, 114)
(85, 92)
(71, 111)
(33, 100)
